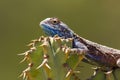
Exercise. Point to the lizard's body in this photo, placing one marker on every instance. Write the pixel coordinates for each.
(102, 56)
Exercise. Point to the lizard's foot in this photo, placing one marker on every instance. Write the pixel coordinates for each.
(96, 69)
(118, 62)
(114, 75)
(108, 75)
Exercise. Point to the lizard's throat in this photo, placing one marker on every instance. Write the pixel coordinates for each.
(52, 32)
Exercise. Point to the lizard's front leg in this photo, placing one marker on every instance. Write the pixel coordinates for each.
(77, 48)
(96, 69)
(81, 48)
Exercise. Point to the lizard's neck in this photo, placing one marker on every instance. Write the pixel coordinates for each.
(80, 39)
(79, 42)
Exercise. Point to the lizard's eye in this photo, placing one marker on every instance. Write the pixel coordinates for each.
(55, 21)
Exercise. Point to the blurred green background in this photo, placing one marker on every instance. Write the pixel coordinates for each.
(96, 20)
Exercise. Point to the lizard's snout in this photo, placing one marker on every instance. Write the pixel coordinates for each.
(44, 21)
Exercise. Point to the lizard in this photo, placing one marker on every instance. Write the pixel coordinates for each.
(107, 58)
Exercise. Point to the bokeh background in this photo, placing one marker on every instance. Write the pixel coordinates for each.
(96, 20)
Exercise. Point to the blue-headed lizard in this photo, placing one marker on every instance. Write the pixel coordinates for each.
(108, 59)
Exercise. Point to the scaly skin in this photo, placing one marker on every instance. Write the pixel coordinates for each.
(108, 59)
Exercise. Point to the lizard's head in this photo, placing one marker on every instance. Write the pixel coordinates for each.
(53, 26)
